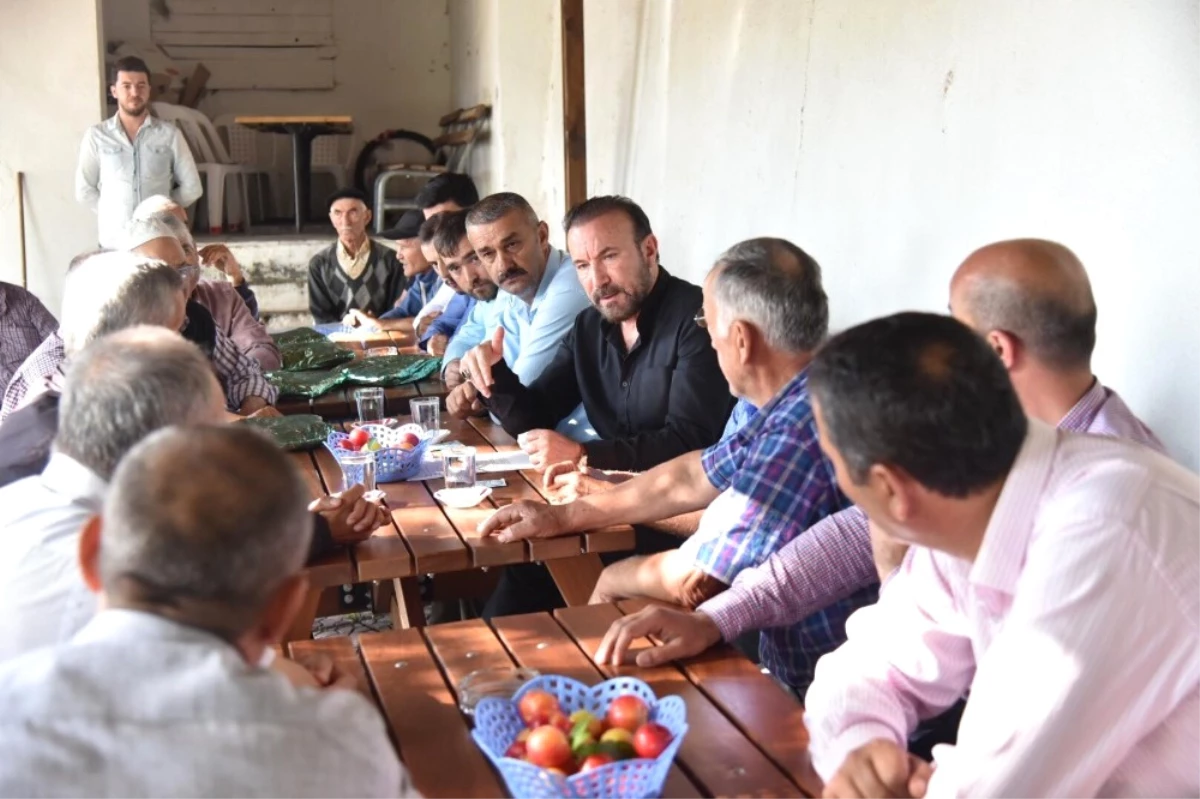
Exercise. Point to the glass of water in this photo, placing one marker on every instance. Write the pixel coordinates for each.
(459, 466)
(358, 468)
(370, 404)
(427, 412)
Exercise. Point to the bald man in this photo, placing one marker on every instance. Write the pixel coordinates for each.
(1032, 302)
(198, 564)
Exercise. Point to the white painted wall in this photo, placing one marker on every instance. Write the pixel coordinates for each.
(891, 138)
(392, 68)
(50, 92)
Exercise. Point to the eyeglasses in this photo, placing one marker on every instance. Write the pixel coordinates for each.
(700, 321)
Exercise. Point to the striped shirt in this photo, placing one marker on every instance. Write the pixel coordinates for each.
(833, 559)
(775, 483)
(1076, 629)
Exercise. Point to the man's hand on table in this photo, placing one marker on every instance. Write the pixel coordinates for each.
(452, 374)
(463, 402)
(357, 318)
(525, 519)
(546, 447)
(880, 768)
(218, 256)
(437, 346)
(477, 364)
(314, 671)
(566, 481)
(425, 322)
(682, 633)
(351, 517)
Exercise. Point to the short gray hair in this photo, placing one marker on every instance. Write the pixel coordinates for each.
(204, 523)
(776, 286)
(173, 224)
(115, 290)
(154, 204)
(499, 205)
(125, 386)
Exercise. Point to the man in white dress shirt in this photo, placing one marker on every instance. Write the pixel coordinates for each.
(1053, 575)
(197, 562)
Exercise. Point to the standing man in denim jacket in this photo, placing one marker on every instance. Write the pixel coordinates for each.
(132, 156)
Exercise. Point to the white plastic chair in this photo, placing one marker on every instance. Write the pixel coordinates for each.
(251, 148)
(214, 163)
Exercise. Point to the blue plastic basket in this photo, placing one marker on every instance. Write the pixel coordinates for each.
(497, 723)
(391, 465)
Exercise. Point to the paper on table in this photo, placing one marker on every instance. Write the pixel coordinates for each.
(485, 463)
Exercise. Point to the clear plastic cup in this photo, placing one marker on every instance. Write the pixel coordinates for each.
(427, 412)
(458, 465)
(358, 468)
(370, 404)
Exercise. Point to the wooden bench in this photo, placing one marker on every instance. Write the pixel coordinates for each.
(746, 736)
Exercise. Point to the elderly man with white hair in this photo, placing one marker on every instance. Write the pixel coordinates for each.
(233, 306)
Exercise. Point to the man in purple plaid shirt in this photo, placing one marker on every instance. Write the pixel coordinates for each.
(24, 324)
(761, 486)
(1032, 301)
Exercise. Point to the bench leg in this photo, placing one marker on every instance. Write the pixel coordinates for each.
(407, 610)
(576, 577)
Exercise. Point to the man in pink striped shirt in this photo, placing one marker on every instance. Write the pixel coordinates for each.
(1032, 301)
(1055, 576)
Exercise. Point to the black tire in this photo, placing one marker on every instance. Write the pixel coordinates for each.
(368, 152)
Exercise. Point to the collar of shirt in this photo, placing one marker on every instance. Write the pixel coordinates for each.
(113, 123)
(515, 305)
(137, 625)
(74, 482)
(646, 315)
(1080, 417)
(1002, 552)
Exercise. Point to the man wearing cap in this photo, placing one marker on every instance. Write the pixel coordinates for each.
(422, 279)
(353, 273)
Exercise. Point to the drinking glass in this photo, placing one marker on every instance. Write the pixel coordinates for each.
(459, 466)
(427, 412)
(358, 468)
(370, 404)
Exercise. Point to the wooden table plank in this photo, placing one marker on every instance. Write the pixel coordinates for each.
(341, 651)
(429, 730)
(715, 754)
(485, 550)
(433, 387)
(536, 641)
(336, 567)
(435, 544)
(292, 406)
(462, 647)
(396, 399)
(335, 404)
(741, 691)
(384, 555)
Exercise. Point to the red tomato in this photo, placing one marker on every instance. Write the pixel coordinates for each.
(627, 712)
(595, 761)
(537, 706)
(560, 720)
(651, 739)
(359, 437)
(517, 750)
(345, 443)
(548, 747)
(411, 439)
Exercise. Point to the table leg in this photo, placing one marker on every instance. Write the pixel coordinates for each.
(407, 610)
(576, 577)
(302, 174)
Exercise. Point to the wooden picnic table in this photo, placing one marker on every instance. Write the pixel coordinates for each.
(426, 538)
(746, 734)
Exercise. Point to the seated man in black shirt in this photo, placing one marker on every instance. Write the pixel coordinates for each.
(644, 370)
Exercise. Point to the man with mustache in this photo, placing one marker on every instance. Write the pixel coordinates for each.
(132, 156)
(643, 369)
(539, 299)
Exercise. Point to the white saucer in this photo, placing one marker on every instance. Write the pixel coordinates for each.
(462, 497)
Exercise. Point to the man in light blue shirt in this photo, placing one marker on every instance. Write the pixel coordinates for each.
(539, 298)
(132, 156)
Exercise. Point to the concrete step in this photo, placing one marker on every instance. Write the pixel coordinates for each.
(277, 269)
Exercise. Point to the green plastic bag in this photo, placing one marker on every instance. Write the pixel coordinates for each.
(306, 384)
(300, 432)
(323, 354)
(391, 370)
(300, 335)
